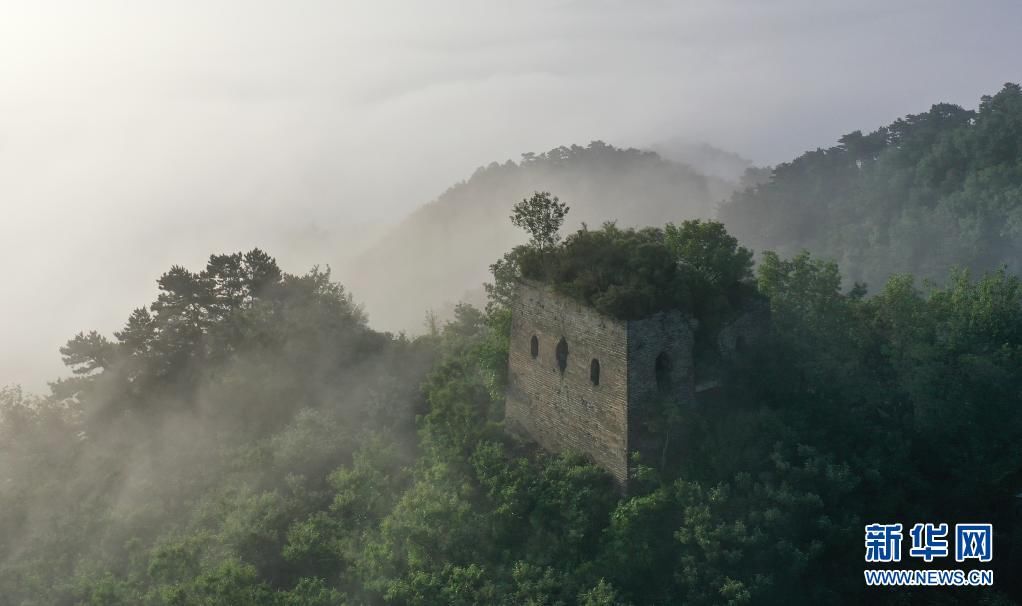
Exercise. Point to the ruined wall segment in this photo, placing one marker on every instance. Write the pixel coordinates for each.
(582, 381)
(660, 370)
(565, 410)
(745, 329)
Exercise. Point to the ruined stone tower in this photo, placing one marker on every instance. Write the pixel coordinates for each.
(580, 380)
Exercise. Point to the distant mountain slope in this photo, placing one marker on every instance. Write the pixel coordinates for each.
(704, 158)
(441, 253)
(925, 193)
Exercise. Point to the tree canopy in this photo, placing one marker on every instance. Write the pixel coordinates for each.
(541, 215)
(922, 195)
(629, 273)
(246, 439)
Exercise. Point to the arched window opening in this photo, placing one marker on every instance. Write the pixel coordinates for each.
(663, 372)
(594, 371)
(534, 347)
(562, 354)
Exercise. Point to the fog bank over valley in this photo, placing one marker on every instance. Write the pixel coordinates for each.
(138, 136)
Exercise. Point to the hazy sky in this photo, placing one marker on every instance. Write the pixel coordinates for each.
(135, 135)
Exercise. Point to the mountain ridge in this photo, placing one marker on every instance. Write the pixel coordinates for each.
(441, 251)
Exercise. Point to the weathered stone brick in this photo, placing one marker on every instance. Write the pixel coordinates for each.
(564, 410)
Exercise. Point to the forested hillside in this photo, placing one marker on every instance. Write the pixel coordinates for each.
(246, 439)
(928, 192)
(288, 318)
(924, 194)
(441, 251)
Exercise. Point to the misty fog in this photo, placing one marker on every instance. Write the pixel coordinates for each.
(135, 136)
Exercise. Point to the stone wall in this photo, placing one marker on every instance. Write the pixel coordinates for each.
(565, 410)
(670, 335)
(746, 329)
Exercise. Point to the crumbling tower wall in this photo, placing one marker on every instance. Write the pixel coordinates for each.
(565, 409)
(582, 381)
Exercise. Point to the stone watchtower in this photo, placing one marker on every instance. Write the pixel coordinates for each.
(580, 380)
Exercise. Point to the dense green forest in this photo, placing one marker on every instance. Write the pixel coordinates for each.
(247, 439)
(921, 195)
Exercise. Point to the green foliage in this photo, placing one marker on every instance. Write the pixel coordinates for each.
(958, 355)
(622, 272)
(506, 271)
(541, 216)
(229, 583)
(602, 594)
(378, 471)
(312, 592)
(171, 469)
(919, 196)
(713, 255)
(628, 273)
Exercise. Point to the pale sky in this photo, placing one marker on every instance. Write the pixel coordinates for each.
(135, 135)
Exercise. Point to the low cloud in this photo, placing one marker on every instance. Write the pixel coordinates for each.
(134, 136)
